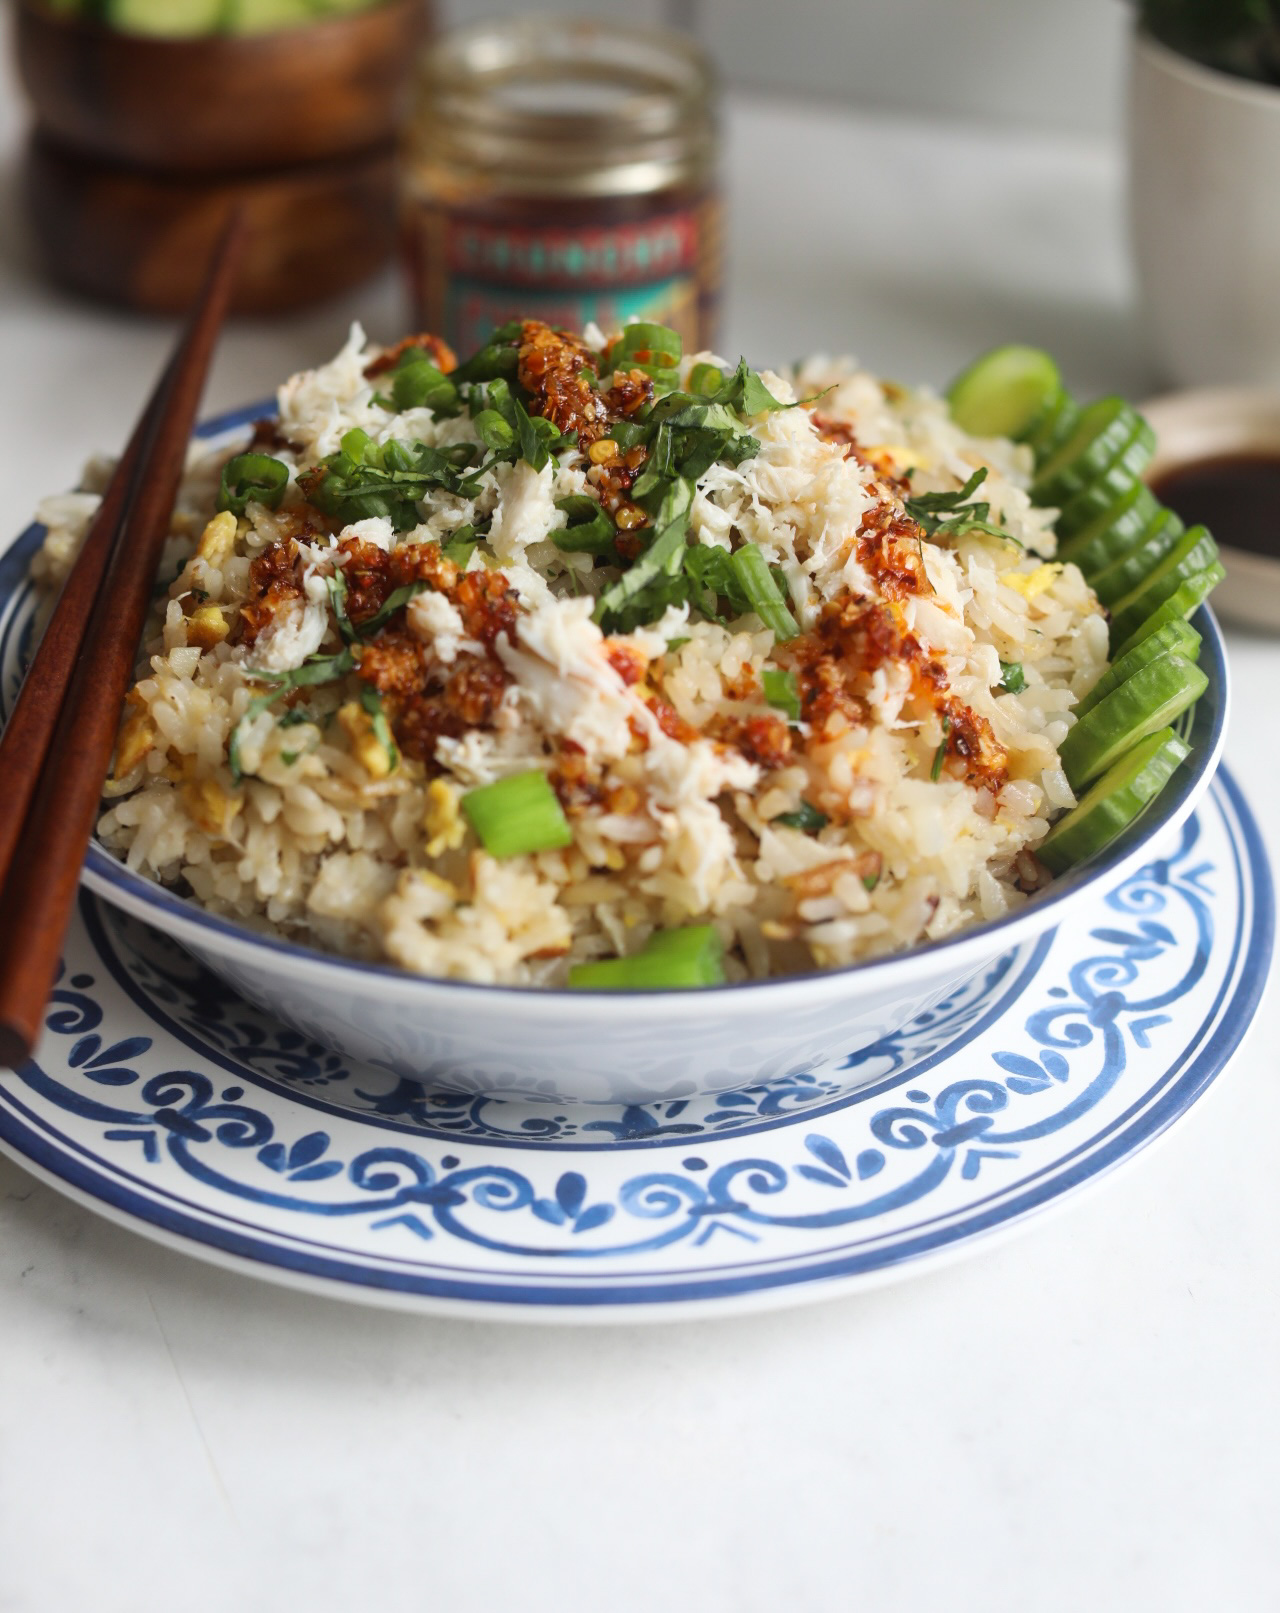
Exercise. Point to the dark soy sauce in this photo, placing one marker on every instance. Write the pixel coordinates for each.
(1237, 496)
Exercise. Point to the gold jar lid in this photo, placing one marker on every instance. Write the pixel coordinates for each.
(562, 106)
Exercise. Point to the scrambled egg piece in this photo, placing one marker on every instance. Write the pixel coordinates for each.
(1031, 583)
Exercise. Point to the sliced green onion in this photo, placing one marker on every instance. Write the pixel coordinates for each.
(705, 379)
(660, 344)
(518, 815)
(653, 349)
(252, 477)
(806, 817)
(418, 384)
(760, 588)
(588, 529)
(940, 755)
(781, 690)
(670, 960)
(494, 431)
(1011, 677)
(356, 443)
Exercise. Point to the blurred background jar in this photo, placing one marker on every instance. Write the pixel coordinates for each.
(152, 116)
(565, 170)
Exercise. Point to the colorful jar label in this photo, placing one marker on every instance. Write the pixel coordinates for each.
(473, 272)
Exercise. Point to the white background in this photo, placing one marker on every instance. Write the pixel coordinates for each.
(1053, 64)
(1084, 1418)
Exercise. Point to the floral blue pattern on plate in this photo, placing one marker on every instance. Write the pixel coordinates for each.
(164, 1101)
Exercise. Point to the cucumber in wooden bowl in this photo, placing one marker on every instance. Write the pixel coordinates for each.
(187, 19)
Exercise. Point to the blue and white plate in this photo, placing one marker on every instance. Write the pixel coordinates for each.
(175, 1108)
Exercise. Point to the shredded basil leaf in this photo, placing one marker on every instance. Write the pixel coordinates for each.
(319, 669)
(395, 600)
(460, 545)
(337, 587)
(642, 586)
(806, 817)
(940, 755)
(588, 529)
(928, 509)
(782, 691)
(1012, 677)
(371, 700)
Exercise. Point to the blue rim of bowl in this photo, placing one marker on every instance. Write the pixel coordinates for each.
(108, 875)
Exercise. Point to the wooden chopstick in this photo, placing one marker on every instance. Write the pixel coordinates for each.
(39, 884)
(29, 730)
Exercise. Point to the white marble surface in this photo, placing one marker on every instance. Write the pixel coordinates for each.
(1085, 1417)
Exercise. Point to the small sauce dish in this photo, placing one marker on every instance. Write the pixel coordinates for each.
(1218, 461)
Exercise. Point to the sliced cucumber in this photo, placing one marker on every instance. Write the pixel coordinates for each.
(1008, 392)
(1177, 637)
(1057, 425)
(1103, 429)
(1112, 533)
(178, 18)
(1143, 560)
(1194, 551)
(1114, 802)
(1123, 473)
(265, 16)
(1096, 556)
(1192, 591)
(1150, 699)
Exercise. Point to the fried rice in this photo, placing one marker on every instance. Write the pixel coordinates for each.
(872, 777)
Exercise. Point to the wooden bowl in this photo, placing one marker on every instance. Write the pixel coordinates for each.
(144, 239)
(222, 102)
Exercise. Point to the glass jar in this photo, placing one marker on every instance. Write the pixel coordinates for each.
(563, 170)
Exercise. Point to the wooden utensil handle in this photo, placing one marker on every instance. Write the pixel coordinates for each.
(37, 897)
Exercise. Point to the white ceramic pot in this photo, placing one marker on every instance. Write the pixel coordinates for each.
(1204, 210)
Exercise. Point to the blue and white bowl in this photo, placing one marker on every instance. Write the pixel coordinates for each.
(564, 1046)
